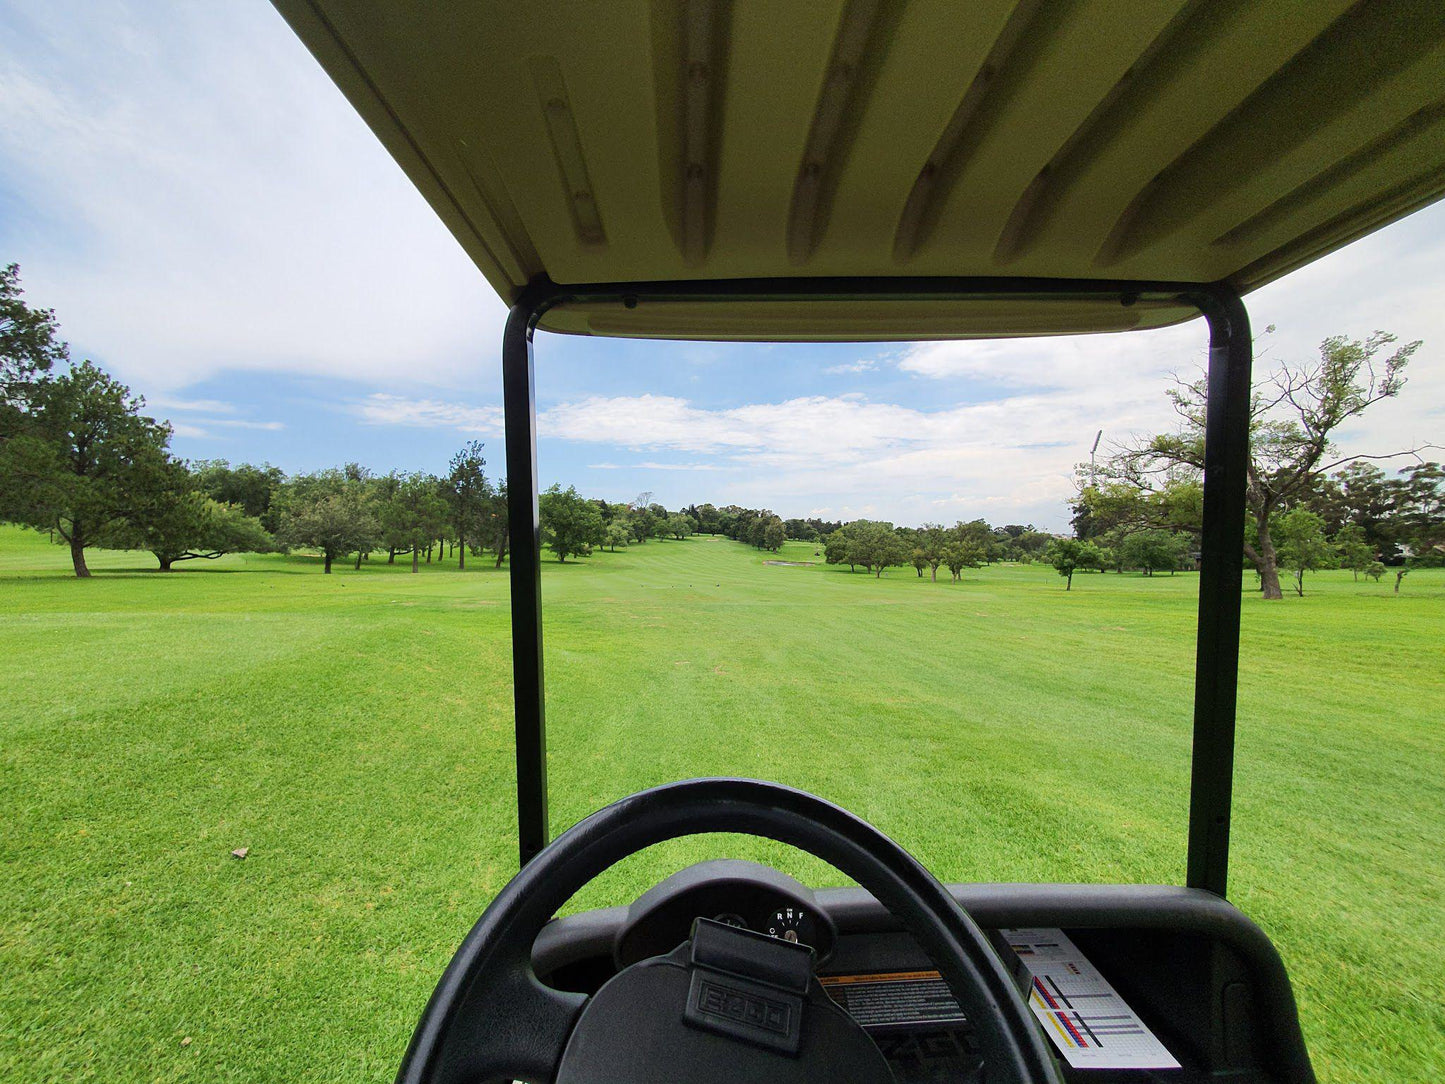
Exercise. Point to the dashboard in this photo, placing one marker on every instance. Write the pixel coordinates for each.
(1198, 973)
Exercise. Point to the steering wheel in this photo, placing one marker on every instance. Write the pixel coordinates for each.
(491, 1018)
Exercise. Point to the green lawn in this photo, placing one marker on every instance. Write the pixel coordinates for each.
(354, 731)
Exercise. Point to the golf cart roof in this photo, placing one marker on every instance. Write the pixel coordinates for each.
(1105, 142)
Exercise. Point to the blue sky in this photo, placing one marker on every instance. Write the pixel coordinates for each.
(212, 223)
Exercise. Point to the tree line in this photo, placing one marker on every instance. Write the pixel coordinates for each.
(80, 459)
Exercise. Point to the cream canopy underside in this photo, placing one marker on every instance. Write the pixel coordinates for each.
(1148, 141)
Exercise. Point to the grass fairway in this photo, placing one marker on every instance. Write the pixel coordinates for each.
(354, 731)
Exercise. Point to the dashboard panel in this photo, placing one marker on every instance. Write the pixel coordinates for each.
(1199, 973)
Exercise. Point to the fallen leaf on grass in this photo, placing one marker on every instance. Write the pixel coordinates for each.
(240, 852)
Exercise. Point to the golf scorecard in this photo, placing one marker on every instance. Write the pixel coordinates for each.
(1085, 1018)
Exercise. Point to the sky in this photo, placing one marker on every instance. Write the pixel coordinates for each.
(213, 224)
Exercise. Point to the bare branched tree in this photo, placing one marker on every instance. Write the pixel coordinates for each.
(1293, 416)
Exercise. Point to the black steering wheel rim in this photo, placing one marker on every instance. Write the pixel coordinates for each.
(490, 1016)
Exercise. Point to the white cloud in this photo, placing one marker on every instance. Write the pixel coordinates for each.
(862, 365)
(242, 423)
(191, 194)
(651, 465)
(385, 409)
(189, 406)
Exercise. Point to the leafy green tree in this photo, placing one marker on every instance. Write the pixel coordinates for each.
(642, 523)
(679, 526)
(1418, 508)
(616, 535)
(708, 520)
(1030, 545)
(1064, 554)
(1351, 549)
(84, 459)
(919, 560)
(838, 548)
(249, 487)
(469, 495)
(1359, 494)
(1293, 418)
(1153, 551)
(1375, 570)
(876, 546)
(189, 526)
(959, 554)
(800, 530)
(774, 534)
(495, 532)
(1301, 544)
(571, 524)
(414, 512)
(932, 540)
(1093, 557)
(29, 348)
(329, 510)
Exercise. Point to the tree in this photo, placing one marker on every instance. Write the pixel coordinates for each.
(571, 525)
(495, 531)
(958, 555)
(1094, 557)
(1153, 551)
(1360, 494)
(933, 538)
(177, 522)
(1293, 417)
(1031, 545)
(1301, 544)
(29, 348)
(679, 526)
(876, 546)
(468, 493)
(198, 528)
(1351, 548)
(838, 548)
(330, 511)
(774, 534)
(1375, 570)
(413, 513)
(708, 520)
(642, 523)
(1063, 554)
(1418, 512)
(249, 487)
(800, 530)
(616, 535)
(83, 460)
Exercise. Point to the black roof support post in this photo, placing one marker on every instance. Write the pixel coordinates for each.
(524, 526)
(1216, 667)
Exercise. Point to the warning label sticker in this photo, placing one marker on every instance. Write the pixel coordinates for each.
(1080, 1011)
(893, 998)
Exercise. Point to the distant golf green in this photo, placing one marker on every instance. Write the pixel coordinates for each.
(354, 732)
